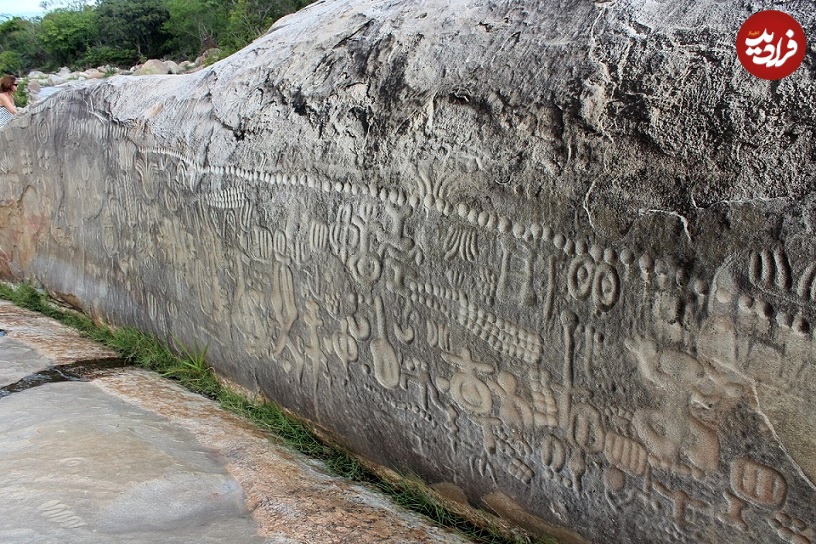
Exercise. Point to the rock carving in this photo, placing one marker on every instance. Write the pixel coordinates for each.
(524, 250)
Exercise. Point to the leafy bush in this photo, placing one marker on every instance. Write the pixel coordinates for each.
(11, 62)
(101, 55)
(21, 95)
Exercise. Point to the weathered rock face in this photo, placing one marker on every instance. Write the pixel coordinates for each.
(557, 258)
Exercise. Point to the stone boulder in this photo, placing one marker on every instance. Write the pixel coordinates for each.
(55, 79)
(91, 73)
(557, 259)
(152, 67)
(172, 67)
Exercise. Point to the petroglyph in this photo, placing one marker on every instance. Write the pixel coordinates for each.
(483, 269)
(385, 358)
(673, 434)
(60, 514)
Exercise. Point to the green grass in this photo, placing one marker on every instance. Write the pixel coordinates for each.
(190, 368)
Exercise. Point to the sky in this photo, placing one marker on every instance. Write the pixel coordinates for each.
(21, 8)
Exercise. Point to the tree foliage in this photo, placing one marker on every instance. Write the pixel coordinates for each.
(80, 34)
(194, 27)
(133, 25)
(67, 34)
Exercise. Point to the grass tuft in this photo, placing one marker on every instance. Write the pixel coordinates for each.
(190, 368)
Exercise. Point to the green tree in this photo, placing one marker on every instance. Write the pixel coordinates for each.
(20, 41)
(11, 62)
(67, 34)
(249, 19)
(195, 26)
(133, 25)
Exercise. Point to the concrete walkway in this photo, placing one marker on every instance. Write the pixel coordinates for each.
(129, 457)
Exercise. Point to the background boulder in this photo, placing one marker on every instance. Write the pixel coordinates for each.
(152, 67)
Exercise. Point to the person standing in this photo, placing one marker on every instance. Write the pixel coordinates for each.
(8, 86)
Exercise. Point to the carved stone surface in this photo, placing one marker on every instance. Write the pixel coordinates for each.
(557, 258)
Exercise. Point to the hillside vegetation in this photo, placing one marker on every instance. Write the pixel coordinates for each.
(126, 32)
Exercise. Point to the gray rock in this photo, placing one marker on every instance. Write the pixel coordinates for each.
(91, 73)
(172, 67)
(152, 67)
(557, 260)
(132, 457)
(54, 79)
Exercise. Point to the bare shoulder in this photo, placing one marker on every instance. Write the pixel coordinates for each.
(7, 102)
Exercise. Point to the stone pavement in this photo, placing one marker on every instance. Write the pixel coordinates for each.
(129, 457)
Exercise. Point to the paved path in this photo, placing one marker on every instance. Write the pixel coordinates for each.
(129, 457)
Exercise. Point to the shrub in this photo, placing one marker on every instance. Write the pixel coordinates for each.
(21, 95)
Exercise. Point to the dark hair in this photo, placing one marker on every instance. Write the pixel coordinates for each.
(6, 83)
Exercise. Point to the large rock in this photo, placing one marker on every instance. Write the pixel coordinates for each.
(558, 259)
(152, 67)
(172, 67)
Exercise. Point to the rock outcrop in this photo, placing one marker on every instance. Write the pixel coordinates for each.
(558, 259)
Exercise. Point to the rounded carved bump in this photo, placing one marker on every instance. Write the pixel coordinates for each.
(597, 252)
(784, 319)
(491, 220)
(581, 247)
(546, 233)
(483, 217)
(627, 257)
(646, 264)
(800, 325)
(700, 287)
(763, 309)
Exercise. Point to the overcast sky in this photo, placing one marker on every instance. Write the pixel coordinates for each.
(20, 8)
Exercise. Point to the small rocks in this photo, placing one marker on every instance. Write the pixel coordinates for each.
(38, 80)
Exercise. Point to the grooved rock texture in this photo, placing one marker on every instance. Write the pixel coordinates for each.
(557, 258)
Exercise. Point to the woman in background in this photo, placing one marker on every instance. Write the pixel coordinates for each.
(8, 86)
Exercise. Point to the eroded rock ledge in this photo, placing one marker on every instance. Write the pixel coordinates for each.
(556, 259)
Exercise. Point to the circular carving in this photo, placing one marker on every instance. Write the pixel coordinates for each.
(471, 393)
(43, 132)
(605, 287)
(580, 277)
(368, 268)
